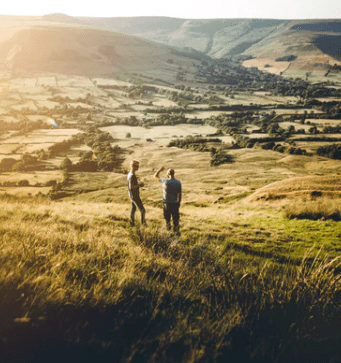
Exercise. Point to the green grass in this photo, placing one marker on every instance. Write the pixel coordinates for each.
(78, 284)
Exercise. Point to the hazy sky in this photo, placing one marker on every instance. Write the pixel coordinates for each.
(200, 9)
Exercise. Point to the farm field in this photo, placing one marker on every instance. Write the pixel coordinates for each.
(159, 134)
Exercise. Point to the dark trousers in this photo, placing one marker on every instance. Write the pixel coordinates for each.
(171, 210)
(137, 203)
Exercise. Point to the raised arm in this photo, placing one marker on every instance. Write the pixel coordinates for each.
(156, 175)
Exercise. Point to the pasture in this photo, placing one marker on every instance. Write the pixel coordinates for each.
(159, 134)
(240, 265)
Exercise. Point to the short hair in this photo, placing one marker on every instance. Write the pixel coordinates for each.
(170, 171)
(134, 162)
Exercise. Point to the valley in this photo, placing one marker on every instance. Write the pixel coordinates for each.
(255, 141)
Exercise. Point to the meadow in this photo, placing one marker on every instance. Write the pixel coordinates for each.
(254, 276)
(243, 282)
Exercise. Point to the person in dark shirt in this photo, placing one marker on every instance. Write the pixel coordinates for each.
(134, 193)
(171, 198)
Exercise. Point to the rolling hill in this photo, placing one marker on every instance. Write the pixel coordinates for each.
(220, 38)
(36, 46)
(98, 46)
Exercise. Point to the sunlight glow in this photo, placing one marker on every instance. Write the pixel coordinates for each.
(187, 9)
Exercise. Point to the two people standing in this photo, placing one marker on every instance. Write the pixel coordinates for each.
(171, 199)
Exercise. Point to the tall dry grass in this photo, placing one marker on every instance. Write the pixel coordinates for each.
(314, 209)
(79, 284)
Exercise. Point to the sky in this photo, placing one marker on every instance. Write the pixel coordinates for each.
(185, 9)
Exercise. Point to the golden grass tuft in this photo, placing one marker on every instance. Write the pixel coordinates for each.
(317, 208)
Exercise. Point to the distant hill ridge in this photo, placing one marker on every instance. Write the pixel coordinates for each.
(98, 45)
(216, 37)
(220, 38)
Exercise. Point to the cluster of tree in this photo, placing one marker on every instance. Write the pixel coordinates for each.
(59, 148)
(332, 129)
(220, 156)
(129, 121)
(195, 143)
(93, 135)
(244, 141)
(321, 90)
(83, 165)
(239, 78)
(105, 158)
(164, 118)
(230, 72)
(283, 149)
(67, 99)
(22, 127)
(318, 138)
(59, 188)
(27, 162)
(177, 109)
(186, 96)
(71, 111)
(26, 183)
(20, 183)
(6, 164)
(102, 157)
(235, 120)
(167, 119)
(331, 110)
(330, 151)
(89, 137)
(140, 91)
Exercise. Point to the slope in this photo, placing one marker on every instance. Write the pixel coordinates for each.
(219, 38)
(81, 50)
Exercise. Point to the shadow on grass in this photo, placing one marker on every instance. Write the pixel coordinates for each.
(132, 331)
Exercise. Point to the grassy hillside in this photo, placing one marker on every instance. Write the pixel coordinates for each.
(80, 50)
(78, 284)
(219, 38)
(247, 280)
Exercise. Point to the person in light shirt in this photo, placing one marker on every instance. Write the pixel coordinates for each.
(171, 198)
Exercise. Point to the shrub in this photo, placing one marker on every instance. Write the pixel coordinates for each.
(7, 164)
(23, 183)
(66, 164)
(220, 157)
(50, 183)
